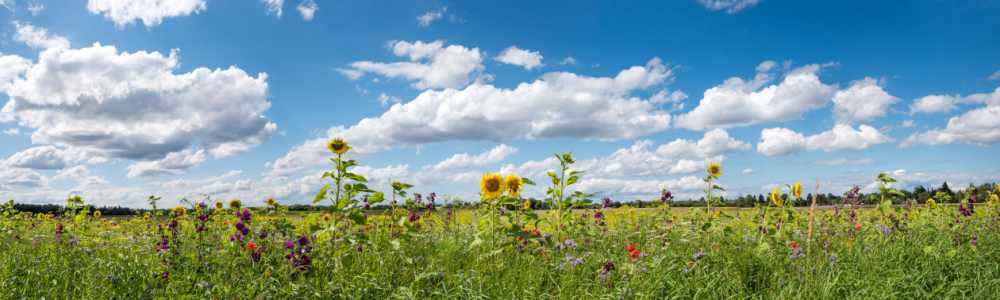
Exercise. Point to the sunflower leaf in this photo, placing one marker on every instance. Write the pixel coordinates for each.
(576, 173)
(321, 195)
(376, 198)
(572, 180)
(356, 177)
(525, 180)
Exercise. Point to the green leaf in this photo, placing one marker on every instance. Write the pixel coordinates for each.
(325, 175)
(376, 198)
(582, 202)
(527, 181)
(358, 218)
(402, 193)
(706, 226)
(716, 187)
(576, 173)
(572, 180)
(321, 195)
(356, 177)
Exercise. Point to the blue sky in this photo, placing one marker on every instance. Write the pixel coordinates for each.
(116, 100)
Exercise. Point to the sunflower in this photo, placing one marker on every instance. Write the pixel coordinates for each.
(145, 218)
(270, 201)
(235, 204)
(776, 198)
(97, 214)
(797, 190)
(995, 199)
(179, 211)
(338, 146)
(302, 215)
(715, 169)
(514, 185)
(931, 203)
(527, 204)
(327, 218)
(218, 204)
(11, 202)
(492, 186)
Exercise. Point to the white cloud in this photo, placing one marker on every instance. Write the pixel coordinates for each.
(995, 76)
(12, 131)
(465, 161)
(740, 103)
(908, 123)
(379, 178)
(307, 8)
(714, 143)
(273, 6)
(35, 8)
(181, 182)
(82, 175)
(41, 158)
(731, 6)
(748, 171)
(862, 101)
(560, 104)
(425, 19)
(520, 57)
(844, 162)
(979, 126)
(945, 103)
(11, 66)
(569, 61)
(151, 12)
(111, 105)
(448, 67)
(635, 161)
(385, 99)
(638, 188)
(22, 178)
(843, 137)
(38, 37)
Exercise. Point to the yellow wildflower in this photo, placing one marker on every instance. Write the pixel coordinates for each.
(715, 169)
(492, 186)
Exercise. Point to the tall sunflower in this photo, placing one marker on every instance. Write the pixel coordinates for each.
(514, 185)
(797, 190)
(492, 185)
(338, 146)
(97, 214)
(715, 169)
(931, 203)
(218, 204)
(776, 198)
(327, 218)
(270, 201)
(235, 204)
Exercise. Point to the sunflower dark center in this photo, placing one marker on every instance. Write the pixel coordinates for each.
(492, 185)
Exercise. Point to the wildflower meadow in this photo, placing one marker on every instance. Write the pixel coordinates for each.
(414, 247)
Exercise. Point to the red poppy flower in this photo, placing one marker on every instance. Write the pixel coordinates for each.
(252, 246)
(692, 264)
(795, 245)
(635, 253)
(630, 248)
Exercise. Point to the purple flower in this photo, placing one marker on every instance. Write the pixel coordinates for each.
(289, 245)
(698, 255)
(609, 266)
(607, 201)
(303, 241)
(598, 215)
(361, 247)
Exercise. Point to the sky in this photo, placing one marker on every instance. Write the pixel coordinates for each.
(117, 100)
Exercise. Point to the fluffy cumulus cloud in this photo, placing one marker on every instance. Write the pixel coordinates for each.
(82, 175)
(22, 178)
(426, 19)
(181, 182)
(41, 158)
(639, 188)
(151, 12)
(730, 6)
(979, 126)
(945, 103)
(740, 103)
(783, 141)
(844, 162)
(465, 161)
(307, 8)
(748, 171)
(111, 105)
(560, 104)
(862, 101)
(273, 6)
(714, 143)
(431, 65)
(520, 57)
(37, 37)
(11, 66)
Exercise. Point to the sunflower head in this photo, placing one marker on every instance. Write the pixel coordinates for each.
(97, 214)
(302, 215)
(492, 186)
(715, 169)
(145, 218)
(218, 204)
(776, 198)
(179, 211)
(931, 203)
(514, 185)
(235, 204)
(338, 146)
(327, 218)
(11, 202)
(797, 190)
(270, 201)
(527, 205)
